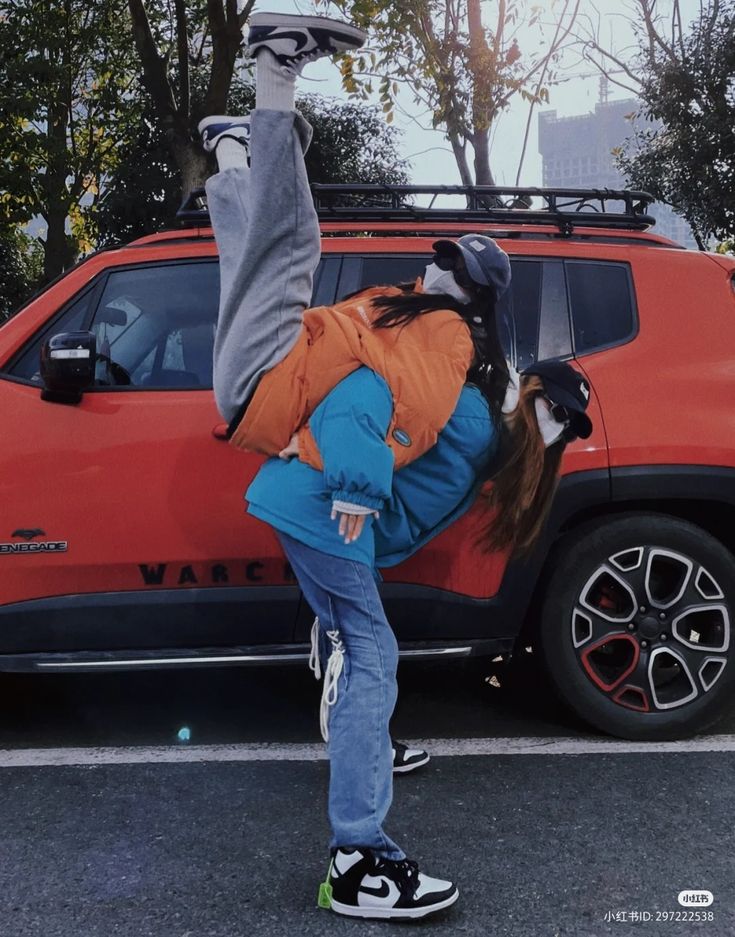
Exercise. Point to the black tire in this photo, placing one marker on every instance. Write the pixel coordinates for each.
(581, 592)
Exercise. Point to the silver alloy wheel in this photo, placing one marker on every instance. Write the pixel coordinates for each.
(651, 630)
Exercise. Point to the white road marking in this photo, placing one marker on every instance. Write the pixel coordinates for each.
(270, 751)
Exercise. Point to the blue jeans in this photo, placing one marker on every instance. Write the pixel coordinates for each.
(344, 595)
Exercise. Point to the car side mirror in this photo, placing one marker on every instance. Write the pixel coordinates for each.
(67, 366)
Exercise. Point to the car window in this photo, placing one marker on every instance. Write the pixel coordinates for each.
(70, 319)
(601, 304)
(156, 322)
(532, 317)
(387, 271)
(359, 273)
(155, 325)
(325, 280)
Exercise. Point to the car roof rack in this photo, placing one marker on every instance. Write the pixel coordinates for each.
(561, 208)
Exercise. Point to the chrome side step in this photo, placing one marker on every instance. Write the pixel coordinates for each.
(168, 658)
(134, 663)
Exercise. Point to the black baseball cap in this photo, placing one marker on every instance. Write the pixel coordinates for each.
(565, 386)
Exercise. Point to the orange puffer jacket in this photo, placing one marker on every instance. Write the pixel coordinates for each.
(424, 362)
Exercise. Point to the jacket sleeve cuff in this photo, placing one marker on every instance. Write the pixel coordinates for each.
(356, 499)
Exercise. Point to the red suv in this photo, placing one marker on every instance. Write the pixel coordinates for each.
(126, 543)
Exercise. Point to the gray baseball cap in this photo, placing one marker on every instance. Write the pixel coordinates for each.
(487, 264)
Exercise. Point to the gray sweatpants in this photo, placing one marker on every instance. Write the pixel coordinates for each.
(267, 234)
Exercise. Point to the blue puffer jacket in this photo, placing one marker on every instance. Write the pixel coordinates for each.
(415, 504)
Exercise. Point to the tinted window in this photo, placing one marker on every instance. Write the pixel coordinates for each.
(382, 271)
(519, 311)
(71, 319)
(601, 301)
(154, 325)
(359, 273)
(533, 319)
(325, 280)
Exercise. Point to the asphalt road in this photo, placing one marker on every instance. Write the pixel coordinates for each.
(539, 844)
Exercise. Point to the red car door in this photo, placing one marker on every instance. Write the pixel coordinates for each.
(135, 485)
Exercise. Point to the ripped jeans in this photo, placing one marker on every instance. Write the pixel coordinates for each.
(344, 596)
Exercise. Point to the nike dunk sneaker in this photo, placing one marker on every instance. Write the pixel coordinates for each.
(361, 884)
(215, 128)
(296, 40)
(406, 759)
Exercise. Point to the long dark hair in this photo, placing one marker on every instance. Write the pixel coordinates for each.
(524, 478)
(489, 370)
(524, 473)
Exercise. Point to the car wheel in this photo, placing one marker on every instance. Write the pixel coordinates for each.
(636, 626)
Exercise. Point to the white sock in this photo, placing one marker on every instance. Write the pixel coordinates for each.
(274, 90)
(231, 154)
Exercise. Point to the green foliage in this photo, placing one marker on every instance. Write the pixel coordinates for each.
(65, 79)
(142, 193)
(688, 158)
(351, 143)
(20, 269)
(188, 54)
(464, 71)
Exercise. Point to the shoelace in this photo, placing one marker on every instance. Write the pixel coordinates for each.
(332, 674)
(299, 60)
(404, 872)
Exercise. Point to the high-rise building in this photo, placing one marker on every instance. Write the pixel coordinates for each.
(577, 153)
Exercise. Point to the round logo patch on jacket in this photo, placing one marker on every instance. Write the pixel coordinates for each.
(401, 437)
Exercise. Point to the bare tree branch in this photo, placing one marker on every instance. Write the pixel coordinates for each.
(540, 82)
(244, 14)
(623, 66)
(154, 67)
(655, 39)
(609, 73)
(226, 39)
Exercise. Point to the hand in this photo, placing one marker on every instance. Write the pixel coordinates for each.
(292, 449)
(351, 525)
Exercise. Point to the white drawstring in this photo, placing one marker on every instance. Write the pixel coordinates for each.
(332, 674)
(331, 679)
(314, 655)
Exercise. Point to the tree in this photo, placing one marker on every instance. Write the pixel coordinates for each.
(685, 79)
(15, 276)
(65, 72)
(181, 45)
(351, 143)
(689, 159)
(465, 72)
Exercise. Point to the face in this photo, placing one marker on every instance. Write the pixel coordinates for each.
(455, 262)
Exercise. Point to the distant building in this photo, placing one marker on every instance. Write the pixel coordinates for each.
(577, 153)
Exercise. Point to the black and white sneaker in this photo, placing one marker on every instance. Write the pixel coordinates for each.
(219, 127)
(296, 40)
(406, 759)
(361, 884)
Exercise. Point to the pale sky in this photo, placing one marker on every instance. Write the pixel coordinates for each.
(429, 151)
